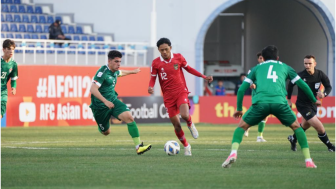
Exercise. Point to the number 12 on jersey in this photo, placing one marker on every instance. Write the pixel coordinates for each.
(272, 75)
(163, 76)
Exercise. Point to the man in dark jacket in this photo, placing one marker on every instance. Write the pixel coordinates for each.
(55, 31)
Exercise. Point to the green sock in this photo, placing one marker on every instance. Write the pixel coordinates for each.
(261, 127)
(302, 139)
(134, 132)
(238, 135)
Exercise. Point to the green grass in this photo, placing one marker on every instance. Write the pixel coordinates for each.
(80, 157)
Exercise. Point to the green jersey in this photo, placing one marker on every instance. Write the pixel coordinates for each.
(270, 78)
(106, 80)
(9, 70)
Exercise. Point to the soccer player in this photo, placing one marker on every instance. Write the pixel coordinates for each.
(104, 101)
(313, 77)
(174, 88)
(270, 98)
(9, 70)
(261, 125)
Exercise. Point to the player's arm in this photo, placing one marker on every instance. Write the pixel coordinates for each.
(95, 92)
(289, 92)
(128, 72)
(152, 79)
(14, 76)
(327, 87)
(194, 72)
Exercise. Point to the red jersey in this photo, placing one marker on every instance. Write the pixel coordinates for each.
(171, 76)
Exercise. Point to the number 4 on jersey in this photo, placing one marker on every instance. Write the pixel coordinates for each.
(272, 75)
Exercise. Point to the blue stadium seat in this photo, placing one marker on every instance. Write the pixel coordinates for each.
(4, 27)
(22, 28)
(42, 36)
(25, 18)
(3, 35)
(18, 36)
(2, 18)
(9, 1)
(22, 9)
(13, 9)
(59, 18)
(69, 37)
(17, 1)
(2, 2)
(50, 19)
(42, 19)
(30, 51)
(9, 35)
(30, 28)
(30, 9)
(72, 52)
(33, 19)
(79, 30)
(38, 29)
(71, 30)
(9, 18)
(46, 29)
(35, 36)
(100, 38)
(92, 46)
(80, 46)
(17, 18)
(13, 28)
(38, 45)
(38, 10)
(26, 36)
(4, 8)
(84, 38)
(76, 38)
(64, 29)
(92, 38)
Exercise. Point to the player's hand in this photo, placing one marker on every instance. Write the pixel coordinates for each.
(13, 90)
(136, 71)
(318, 103)
(289, 103)
(109, 104)
(238, 114)
(209, 78)
(320, 94)
(253, 86)
(150, 90)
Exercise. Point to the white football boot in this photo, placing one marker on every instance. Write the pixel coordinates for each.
(193, 131)
(187, 150)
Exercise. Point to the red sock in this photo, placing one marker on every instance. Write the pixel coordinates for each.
(182, 138)
(189, 122)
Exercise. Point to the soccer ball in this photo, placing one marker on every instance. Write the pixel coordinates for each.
(172, 148)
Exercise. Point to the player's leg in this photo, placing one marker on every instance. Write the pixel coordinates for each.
(292, 138)
(287, 117)
(261, 127)
(321, 133)
(175, 120)
(121, 112)
(184, 106)
(246, 133)
(102, 117)
(3, 107)
(253, 116)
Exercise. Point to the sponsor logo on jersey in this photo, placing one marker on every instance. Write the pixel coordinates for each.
(99, 74)
(27, 112)
(304, 79)
(317, 85)
(307, 114)
(176, 66)
(10, 70)
(162, 69)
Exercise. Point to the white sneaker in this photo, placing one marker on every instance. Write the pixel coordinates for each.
(230, 160)
(260, 139)
(193, 131)
(247, 132)
(187, 150)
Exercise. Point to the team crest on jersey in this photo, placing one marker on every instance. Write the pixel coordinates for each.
(317, 85)
(10, 70)
(176, 66)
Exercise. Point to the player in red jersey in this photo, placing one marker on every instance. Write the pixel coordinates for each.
(174, 88)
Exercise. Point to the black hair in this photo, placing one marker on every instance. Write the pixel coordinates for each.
(242, 74)
(8, 43)
(270, 53)
(310, 56)
(113, 54)
(163, 41)
(258, 54)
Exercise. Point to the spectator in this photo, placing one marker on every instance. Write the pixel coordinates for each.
(242, 77)
(220, 90)
(55, 31)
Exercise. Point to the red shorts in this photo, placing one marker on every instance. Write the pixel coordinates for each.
(173, 105)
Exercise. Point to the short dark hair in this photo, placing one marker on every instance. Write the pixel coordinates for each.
(8, 43)
(113, 54)
(270, 53)
(163, 41)
(258, 54)
(310, 56)
(242, 74)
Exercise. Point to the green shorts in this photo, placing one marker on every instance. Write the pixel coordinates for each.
(258, 112)
(3, 107)
(102, 116)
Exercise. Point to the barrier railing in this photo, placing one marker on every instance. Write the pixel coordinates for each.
(53, 50)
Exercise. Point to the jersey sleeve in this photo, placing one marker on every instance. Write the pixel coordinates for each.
(250, 78)
(119, 73)
(293, 76)
(153, 69)
(326, 83)
(183, 62)
(99, 78)
(14, 75)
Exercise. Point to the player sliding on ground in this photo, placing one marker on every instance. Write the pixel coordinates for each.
(174, 88)
(270, 98)
(104, 101)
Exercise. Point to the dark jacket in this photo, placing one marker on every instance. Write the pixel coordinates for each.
(247, 92)
(54, 31)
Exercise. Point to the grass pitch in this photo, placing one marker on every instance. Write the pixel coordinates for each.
(80, 157)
